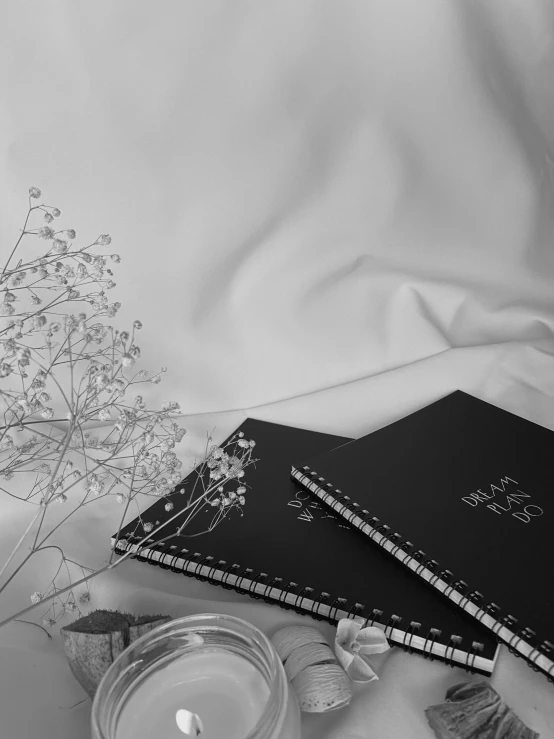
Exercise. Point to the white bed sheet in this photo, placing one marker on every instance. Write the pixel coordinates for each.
(329, 214)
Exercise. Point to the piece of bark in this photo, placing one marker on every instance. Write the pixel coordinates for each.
(93, 642)
(475, 710)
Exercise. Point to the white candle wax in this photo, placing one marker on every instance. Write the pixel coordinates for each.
(225, 690)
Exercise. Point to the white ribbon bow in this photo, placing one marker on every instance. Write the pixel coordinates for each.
(353, 645)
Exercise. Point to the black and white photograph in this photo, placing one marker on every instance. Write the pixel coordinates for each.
(277, 369)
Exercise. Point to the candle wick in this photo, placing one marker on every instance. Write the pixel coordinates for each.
(189, 723)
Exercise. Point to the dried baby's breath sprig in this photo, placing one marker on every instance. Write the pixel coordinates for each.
(74, 425)
(217, 484)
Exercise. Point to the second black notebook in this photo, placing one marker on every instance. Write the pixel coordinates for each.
(460, 492)
(288, 549)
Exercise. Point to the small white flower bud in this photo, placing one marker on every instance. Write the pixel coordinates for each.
(45, 232)
(34, 192)
(59, 246)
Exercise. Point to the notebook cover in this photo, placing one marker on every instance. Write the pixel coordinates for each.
(288, 548)
(460, 492)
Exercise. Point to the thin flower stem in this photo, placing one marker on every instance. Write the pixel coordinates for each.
(129, 498)
(68, 708)
(110, 566)
(32, 623)
(53, 477)
(17, 569)
(29, 423)
(17, 243)
(59, 592)
(55, 302)
(20, 542)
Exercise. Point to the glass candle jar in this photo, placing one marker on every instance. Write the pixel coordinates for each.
(208, 676)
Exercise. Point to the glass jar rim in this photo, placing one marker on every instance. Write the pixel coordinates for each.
(120, 668)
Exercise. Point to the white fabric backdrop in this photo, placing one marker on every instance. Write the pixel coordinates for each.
(329, 214)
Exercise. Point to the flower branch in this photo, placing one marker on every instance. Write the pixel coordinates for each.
(69, 424)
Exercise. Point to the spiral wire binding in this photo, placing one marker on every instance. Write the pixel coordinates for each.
(376, 614)
(304, 593)
(203, 563)
(195, 557)
(473, 653)
(197, 561)
(227, 570)
(391, 624)
(173, 564)
(355, 610)
(256, 580)
(213, 568)
(453, 642)
(268, 588)
(164, 551)
(150, 557)
(525, 634)
(336, 604)
(319, 602)
(242, 576)
(412, 631)
(285, 593)
(432, 636)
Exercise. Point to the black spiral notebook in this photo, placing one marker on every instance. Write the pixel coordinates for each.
(462, 493)
(288, 549)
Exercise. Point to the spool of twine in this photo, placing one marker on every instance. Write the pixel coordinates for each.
(319, 681)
